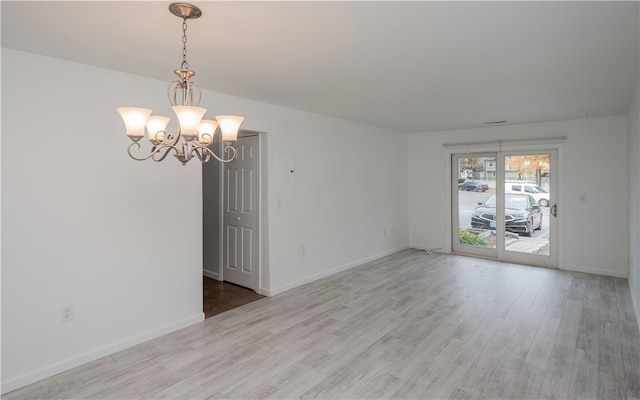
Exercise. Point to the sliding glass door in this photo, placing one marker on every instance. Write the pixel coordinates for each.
(505, 206)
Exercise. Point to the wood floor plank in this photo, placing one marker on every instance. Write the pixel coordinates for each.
(610, 387)
(407, 326)
(373, 386)
(291, 383)
(557, 379)
(584, 377)
(479, 374)
(527, 384)
(446, 382)
(542, 345)
(426, 368)
(571, 315)
(610, 359)
(504, 376)
(525, 333)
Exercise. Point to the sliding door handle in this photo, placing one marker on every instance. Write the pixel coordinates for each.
(554, 210)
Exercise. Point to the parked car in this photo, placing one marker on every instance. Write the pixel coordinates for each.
(540, 195)
(521, 213)
(471, 186)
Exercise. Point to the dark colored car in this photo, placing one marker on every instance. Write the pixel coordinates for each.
(473, 187)
(521, 213)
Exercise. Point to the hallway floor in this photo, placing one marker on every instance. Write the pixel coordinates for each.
(223, 296)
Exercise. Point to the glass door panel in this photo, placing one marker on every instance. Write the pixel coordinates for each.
(474, 185)
(529, 191)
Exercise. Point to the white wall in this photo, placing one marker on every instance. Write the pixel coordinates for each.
(594, 163)
(83, 224)
(634, 200)
(349, 204)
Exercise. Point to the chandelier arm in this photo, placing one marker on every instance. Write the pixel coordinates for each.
(202, 155)
(168, 148)
(167, 139)
(199, 91)
(173, 89)
(227, 149)
(206, 138)
(154, 151)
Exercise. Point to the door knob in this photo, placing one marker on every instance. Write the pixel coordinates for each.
(238, 218)
(554, 210)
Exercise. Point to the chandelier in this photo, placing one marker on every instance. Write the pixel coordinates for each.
(194, 134)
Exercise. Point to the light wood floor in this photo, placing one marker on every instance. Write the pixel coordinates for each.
(407, 326)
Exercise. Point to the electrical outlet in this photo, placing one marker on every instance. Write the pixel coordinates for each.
(302, 251)
(67, 313)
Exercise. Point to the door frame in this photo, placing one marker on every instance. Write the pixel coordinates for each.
(497, 147)
(262, 256)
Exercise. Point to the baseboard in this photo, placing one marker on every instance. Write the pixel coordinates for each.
(65, 365)
(597, 271)
(211, 274)
(324, 274)
(432, 249)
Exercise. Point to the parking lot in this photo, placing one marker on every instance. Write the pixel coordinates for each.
(468, 201)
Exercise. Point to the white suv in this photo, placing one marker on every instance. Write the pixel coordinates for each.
(538, 193)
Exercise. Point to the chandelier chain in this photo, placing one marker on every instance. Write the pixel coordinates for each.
(184, 65)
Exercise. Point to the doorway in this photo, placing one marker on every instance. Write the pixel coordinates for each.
(505, 206)
(231, 224)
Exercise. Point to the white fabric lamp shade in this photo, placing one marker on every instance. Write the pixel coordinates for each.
(189, 120)
(206, 131)
(134, 121)
(156, 127)
(229, 126)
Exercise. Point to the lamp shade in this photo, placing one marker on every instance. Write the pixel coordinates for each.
(189, 119)
(156, 127)
(206, 131)
(229, 126)
(134, 121)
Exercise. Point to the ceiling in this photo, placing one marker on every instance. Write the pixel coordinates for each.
(408, 66)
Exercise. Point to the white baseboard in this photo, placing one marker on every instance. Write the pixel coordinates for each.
(324, 274)
(211, 274)
(597, 271)
(75, 361)
(434, 249)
